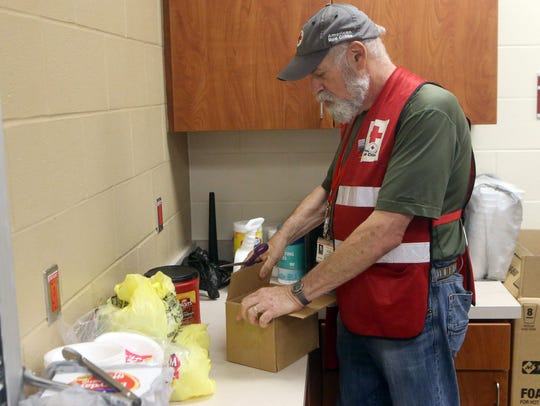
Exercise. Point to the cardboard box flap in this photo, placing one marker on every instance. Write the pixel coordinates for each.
(523, 276)
(314, 307)
(521, 251)
(246, 280)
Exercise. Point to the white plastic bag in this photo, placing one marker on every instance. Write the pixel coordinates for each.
(492, 221)
(151, 384)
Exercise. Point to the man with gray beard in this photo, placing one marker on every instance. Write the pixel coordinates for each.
(393, 247)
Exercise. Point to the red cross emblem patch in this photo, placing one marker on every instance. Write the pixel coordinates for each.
(374, 139)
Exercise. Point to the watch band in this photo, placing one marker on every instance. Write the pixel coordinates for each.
(297, 290)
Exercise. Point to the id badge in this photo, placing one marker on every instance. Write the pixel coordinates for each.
(324, 248)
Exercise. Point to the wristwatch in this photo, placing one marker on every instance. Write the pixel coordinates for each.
(297, 290)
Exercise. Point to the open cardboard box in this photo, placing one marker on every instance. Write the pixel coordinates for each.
(285, 340)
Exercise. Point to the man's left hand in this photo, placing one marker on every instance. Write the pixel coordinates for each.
(265, 304)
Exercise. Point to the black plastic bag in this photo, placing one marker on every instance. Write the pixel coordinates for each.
(211, 277)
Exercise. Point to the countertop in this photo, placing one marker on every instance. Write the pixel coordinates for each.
(239, 385)
(493, 301)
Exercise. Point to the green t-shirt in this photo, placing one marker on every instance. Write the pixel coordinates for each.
(428, 172)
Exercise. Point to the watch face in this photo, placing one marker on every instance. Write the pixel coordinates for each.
(298, 291)
(297, 287)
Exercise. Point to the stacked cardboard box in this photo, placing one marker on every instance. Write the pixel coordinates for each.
(523, 281)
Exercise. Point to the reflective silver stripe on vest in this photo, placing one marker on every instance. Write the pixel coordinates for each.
(405, 253)
(357, 196)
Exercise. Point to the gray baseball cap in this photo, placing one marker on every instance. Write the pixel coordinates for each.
(334, 24)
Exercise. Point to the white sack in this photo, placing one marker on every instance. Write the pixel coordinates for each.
(492, 222)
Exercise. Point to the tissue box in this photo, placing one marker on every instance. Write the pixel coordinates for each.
(285, 340)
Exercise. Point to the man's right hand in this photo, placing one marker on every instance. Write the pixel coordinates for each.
(276, 248)
(308, 215)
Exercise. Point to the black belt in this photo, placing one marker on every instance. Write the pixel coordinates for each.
(445, 271)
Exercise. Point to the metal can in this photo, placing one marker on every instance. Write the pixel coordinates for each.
(292, 266)
(186, 285)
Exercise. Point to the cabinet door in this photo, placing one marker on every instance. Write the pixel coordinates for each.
(483, 364)
(486, 347)
(222, 58)
(483, 388)
(452, 43)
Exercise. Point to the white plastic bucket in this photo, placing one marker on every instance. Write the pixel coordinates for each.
(102, 354)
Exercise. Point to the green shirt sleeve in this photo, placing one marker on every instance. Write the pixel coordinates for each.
(423, 159)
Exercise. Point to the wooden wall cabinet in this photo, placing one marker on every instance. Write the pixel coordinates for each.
(452, 43)
(222, 58)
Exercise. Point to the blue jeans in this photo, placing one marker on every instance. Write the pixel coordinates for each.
(417, 371)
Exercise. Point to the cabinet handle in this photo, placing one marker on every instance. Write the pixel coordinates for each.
(498, 393)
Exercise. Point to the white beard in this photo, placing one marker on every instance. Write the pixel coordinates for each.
(345, 110)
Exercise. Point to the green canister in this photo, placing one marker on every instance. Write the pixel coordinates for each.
(293, 264)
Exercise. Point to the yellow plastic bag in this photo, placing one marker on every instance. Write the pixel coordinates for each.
(145, 305)
(192, 379)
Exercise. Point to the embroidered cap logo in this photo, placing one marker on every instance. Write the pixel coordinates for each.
(300, 38)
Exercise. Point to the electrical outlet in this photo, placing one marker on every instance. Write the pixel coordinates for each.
(51, 279)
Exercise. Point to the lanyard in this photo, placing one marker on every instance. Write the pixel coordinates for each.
(336, 178)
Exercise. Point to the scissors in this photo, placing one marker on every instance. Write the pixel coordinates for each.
(253, 259)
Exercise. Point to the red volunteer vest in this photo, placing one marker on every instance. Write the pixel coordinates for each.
(390, 298)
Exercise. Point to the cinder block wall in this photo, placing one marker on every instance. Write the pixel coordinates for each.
(87, 154)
